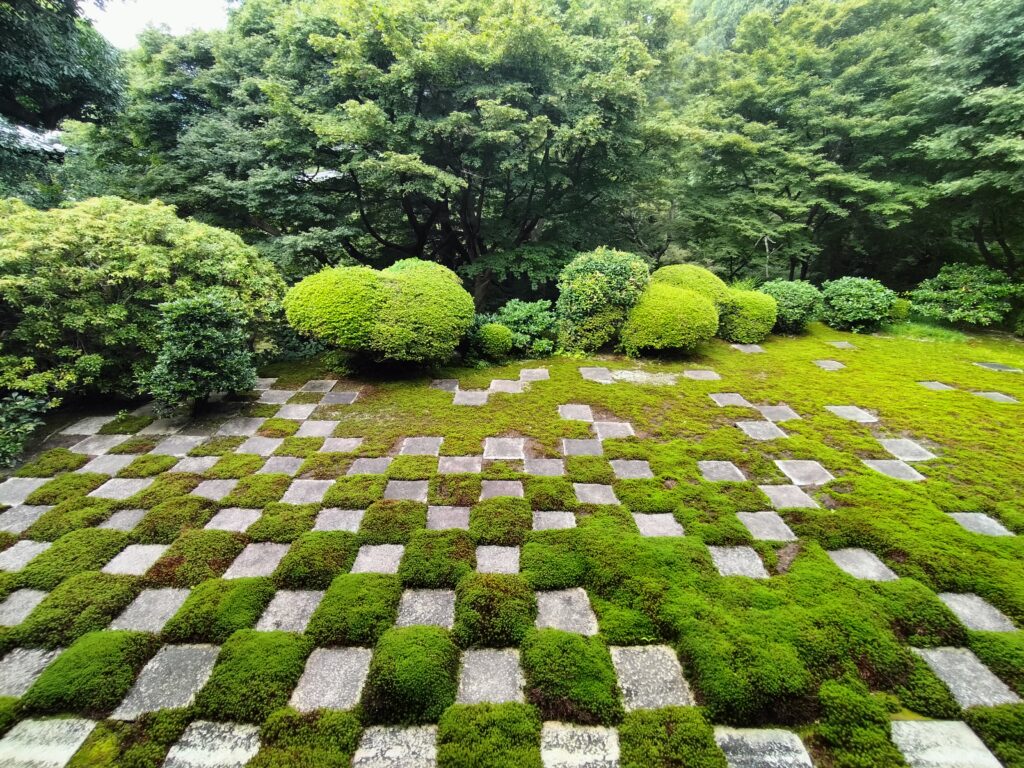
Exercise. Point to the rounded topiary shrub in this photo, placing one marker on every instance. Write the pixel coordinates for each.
(747, 317)
(596, 290)
(798, 303)
(856, 303)
(900, 310)
(494, 340)
(694, 278)
(337, 306)
(669, 319)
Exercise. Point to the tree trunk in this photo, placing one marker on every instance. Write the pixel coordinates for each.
(480, 286)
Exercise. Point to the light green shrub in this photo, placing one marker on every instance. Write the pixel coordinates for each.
(747, 317)
(669, 319)
(694, 278)
(494, 340)
(798, 302)
(856, 303)
(337, 306)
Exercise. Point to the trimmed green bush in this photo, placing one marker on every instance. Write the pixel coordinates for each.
(196, 556)
(503, 520)
(337, 306)
(356, 610)
(88, 549)
(798, 303)
(69, 516)
(83, 603)
(670, 737)
(667, 319)
(255, 674)
(436, 559)
(570, 677)
(217, 608)
(321, 739)
(494, 340)
(392, 522)
(901, 310)
(66, 487)
(694, 278)
(316, 558)
(412, 676)
(962, 293)
(747, 317)
(489, 736)
(166, 521)
(856, 304)
(533, 324)
(52, 463)
(93, 675)
(493, 610)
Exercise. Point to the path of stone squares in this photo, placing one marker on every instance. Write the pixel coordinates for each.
(648, 676)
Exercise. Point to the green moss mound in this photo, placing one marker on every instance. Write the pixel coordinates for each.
(747, 317)
(321, 739)
(667, 738)
(694, 278)
(493, 610)
(88, 549)
(356, 610)
(667, 319)
(83, 603)
(315, 559)
(217, 608)
(489, 736)
(437, 559)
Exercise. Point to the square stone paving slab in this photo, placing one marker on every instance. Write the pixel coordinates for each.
(445, 385)
(393, 746)
(214, 490)
(333, 679)
(505, 448)
(233, 519)
(296, 412)
(841, 344)
(610, 430)
(377, 466)
(803, 472)
(829, 365)
(703, 375)
(575, 412)
(594, 493)
(553, 521)
(122, 488)
(306, 491)
(761, 430)
(429, 607)
(906, 450)
(180, 445)
(720, 472)
(508, 386)
(107, 464)
(21, 517)
(734, 399)
(421, 446)
(470, 397)
(169, 680)
(280, 465)
(894, 468)
(979, 522)
(490, 676)
(275, 396)
(135, 559)
(151, 610)
(21, 553)
(318, 385)
(18, 605)
(936, 386)
(21, 667)
(214, 745)
(971, 682)
(999, 367)
(98, 444)
(491, 489)
(341, 444)
(441, 518)
(596, 374)
(339, 398)
(631, 469)
(650, 677)
(263, 384)
(124, 519)
(544, 467)
(852, 413)
(493, 559)
(762, 748)
(766, 526)
(240, 427)
(941, 744)
(44, 743)
(582, 447)
(658, 524)
(862, 564)
(748, 349)
(787, 496)
(565, 745)
(15, 490)
(195, 464)
(738, 561)
(995, 397)
(408, 490)
(289, 611)
(777, 413)
(976, 613)
(534, 374)
(378, 558)
(566, 609)
(335, 519)
(256, 560)
(460, 465)
(260, 446)
(90, 425)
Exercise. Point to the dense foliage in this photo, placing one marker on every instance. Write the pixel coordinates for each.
(669, 319)
(747, 317)
(856, 303)
(973, 295)
(798, 302)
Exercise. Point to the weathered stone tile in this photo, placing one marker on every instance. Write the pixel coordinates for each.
(21, 517)
(44, 743)
(720, 472)
(297, 412)
(829, 365)
(841, 344)
(333, 679)
(460, 465)
(151, 610)
(124, 519)
(977, 613)
(534, 374)
(565, 745)
(761, 430)
(21, 667)
(852, 413)
(409, 490)
(658, 524)
(762, 748)
(180, 445)
(505, 448)
(544, 467)
(317, 428)
(393, 746)
(442, 518)
(971, 682)
(645, 378)
(430, 607)
(723, 399)
(21, 553)
(507, 386)
(787, 496)
(995, 397)
(122, 487)
(553, 521)
(608, 430)
(234, 519)
(339, 398)
(18, 605)
(289, 611)
(940, 744)
(98, 444)
(215, 490)
(318, 385)
(999, 367)
(566, 609)
(907, 450)
(777, 413)
(490, 676)
(575, 412)
(894, 468)
(260, 446)
(306, 491)
(936, 386)
(334, 519)
(862, 564)
(491, 489)
(378, 558)
(803, 472)
(280, 465)
(471, 397)
(979, 522)
(492, 559)
(171, 679)
(445, 385)
(256, 560)
(421, 446)
(135, 559)
(90, 425)
(631, 469)
(240, 427)
(263, 384)
(341, 444)
(377, 466)
(275, 396)
(702, 375)
(206, 744)
(107, 464)
(738, 561)
(195, 464)
(748, 349)
(596, 374)
(577, 447)
(766, 526)
(15, 490)
(594, 493)
(650, 677)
